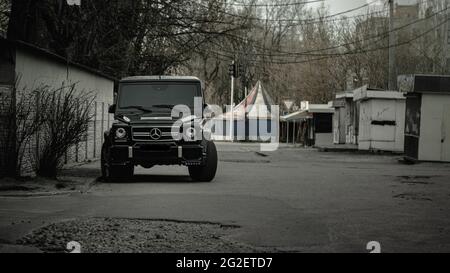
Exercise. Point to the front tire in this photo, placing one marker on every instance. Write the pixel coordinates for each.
(207, 172)
(106, 170)
(110, 173)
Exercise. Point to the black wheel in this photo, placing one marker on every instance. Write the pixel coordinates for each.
(207, 172)
(110, 173)
(106, 171)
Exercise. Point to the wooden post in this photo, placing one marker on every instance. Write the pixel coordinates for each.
(293, 133)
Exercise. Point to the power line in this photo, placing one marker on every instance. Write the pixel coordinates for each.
(354, 52)
(289, 20)
(276, 5)
(382, 35)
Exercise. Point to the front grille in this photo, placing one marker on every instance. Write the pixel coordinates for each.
(156, 133)
(155, 147)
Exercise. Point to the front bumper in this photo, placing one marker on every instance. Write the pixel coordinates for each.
(159, 154)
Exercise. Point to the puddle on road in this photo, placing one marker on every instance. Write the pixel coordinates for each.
(414, 197)
(416, 187)
(245, 161)
(416, 180)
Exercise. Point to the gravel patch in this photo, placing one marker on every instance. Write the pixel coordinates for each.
(105, 235)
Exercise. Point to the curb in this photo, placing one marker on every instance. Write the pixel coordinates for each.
(337, 150)
(85, 190)
(90, 185)
(39, 194)
(357, 151)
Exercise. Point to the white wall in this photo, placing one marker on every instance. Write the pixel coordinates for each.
(432, 126)
(337, 125)
(378, 137)
(365, 119)
(400, 128)
(323, 139)
(35, 70)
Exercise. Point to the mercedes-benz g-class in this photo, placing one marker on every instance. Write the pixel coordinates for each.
(146, 131)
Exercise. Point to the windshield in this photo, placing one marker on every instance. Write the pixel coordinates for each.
(158, 95)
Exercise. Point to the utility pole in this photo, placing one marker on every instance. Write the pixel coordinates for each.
(233, 65)
(392, 69)
(447, 38)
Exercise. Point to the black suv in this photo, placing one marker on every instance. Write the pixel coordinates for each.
(146, 131)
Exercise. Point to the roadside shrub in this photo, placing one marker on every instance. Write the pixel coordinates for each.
(19, 122)
(66, 114)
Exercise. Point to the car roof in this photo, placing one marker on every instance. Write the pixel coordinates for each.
(161, 78)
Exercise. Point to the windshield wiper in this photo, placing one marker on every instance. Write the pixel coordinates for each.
(142, 108)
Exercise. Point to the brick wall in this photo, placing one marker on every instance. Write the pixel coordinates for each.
(5, 103)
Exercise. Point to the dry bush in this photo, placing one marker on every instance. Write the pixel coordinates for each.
(66, 113)
(19, 123)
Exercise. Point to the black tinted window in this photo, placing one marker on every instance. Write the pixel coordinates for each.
(149, 95)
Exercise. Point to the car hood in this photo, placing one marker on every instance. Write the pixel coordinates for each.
(162, 119)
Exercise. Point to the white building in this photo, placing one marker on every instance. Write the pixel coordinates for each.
(345, 119)
(427, 132)
(381, 120)
(312, 125)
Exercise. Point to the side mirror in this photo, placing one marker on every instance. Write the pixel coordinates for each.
(112, 109)
(208, 112)
(210, 115)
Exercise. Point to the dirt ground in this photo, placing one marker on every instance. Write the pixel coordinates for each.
(29, 186)
(106, 235)
(69, 180)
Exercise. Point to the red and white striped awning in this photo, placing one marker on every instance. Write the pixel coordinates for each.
(257, 105)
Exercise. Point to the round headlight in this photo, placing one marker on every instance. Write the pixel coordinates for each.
(190, 133)
(121, 133)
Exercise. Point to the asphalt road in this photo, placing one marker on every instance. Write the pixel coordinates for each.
(288, 200)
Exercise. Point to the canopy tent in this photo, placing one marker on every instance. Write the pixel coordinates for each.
(254, 118)
(257, 105)
(303, 114)
(308, 112)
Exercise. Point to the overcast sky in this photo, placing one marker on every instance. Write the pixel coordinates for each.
(337, 6)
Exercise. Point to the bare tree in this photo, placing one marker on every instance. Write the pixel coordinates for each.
(5, 9)
(121, 37)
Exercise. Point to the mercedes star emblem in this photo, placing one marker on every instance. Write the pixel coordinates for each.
(155, 134)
